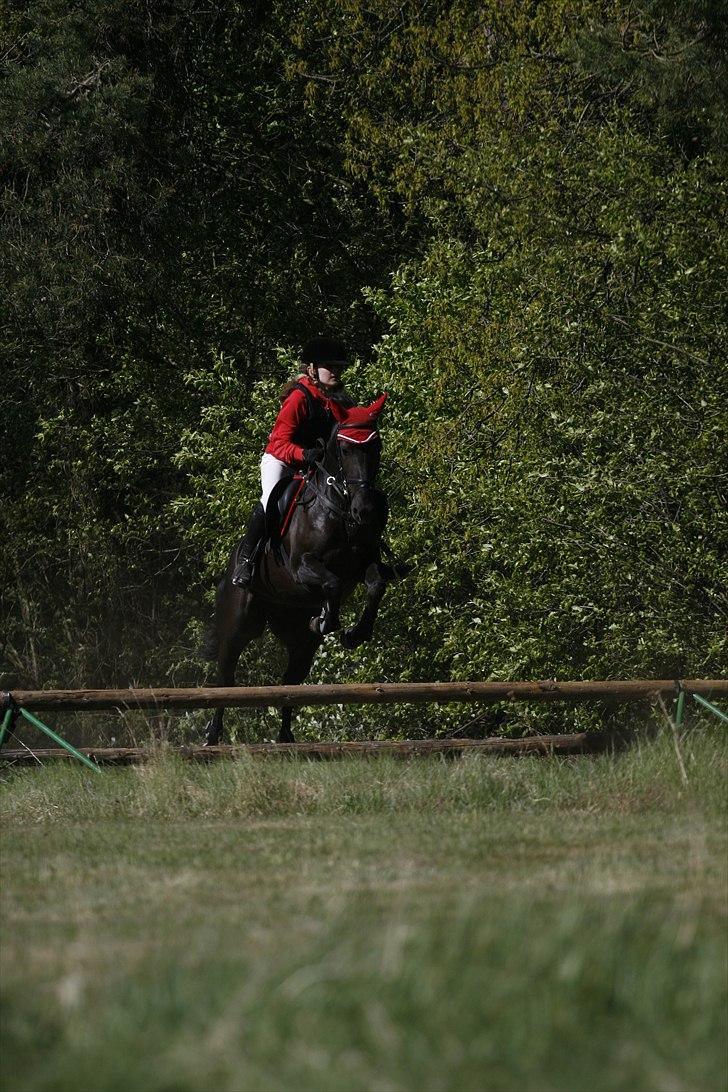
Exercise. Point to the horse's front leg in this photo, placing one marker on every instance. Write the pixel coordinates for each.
(314, 576)
(376, 578)
(328, 621)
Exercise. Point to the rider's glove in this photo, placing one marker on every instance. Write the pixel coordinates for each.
(313, 455)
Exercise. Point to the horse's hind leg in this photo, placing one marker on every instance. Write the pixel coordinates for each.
(376, 579)
(238, 623)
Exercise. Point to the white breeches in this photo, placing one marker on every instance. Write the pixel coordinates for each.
(271, 471)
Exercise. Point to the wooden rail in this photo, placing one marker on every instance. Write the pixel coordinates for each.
(579, 743)
(261, 697)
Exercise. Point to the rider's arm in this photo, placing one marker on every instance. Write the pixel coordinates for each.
(280, 442)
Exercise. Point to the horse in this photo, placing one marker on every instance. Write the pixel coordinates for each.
(331, 543)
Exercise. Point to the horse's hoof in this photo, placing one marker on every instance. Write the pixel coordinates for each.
(212, 738)
(323, 624)
(353, 638)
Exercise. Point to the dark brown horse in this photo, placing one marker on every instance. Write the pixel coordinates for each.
(332, 542)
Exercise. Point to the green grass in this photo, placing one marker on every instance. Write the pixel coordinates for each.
(484, 923)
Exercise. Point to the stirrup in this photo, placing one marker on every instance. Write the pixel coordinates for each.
(244, 572)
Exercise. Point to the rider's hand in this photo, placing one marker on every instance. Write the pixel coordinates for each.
(313, 455)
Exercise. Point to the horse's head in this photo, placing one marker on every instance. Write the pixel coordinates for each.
(355, 450)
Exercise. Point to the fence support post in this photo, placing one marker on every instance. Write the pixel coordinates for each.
(712, 708)
(13, 711)
(5, 728)
(10, 710)
(59, 739)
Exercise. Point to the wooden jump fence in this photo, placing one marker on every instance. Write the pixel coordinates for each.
(263, 697)
(611, 691)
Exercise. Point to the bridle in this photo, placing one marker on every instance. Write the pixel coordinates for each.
(338, 482)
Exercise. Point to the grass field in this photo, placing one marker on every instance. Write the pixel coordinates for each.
(485, 923)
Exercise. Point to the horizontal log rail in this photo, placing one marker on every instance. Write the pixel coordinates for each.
(579, 743)
(262, 697)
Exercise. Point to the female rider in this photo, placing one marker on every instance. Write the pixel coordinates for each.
(303, 425)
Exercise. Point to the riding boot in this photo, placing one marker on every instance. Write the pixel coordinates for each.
(248, 549)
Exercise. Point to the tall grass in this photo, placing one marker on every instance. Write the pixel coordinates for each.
(461, 925)
(476, 994)
(645, 778)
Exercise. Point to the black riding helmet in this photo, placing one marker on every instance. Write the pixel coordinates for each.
(324, 350)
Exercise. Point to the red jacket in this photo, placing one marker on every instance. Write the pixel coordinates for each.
(294, 430)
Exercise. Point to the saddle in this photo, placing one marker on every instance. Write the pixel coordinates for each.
(283, 500)
(281, 504)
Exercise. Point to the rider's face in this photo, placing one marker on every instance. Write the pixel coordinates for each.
(328, 375)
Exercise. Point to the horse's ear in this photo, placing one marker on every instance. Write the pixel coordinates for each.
(365, 415)
(377, 405)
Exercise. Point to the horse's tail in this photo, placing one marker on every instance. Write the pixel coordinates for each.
(211, 640)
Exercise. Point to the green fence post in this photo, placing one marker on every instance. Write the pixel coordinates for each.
(680, 711)
(5, 725)
(712, 708)
(59, 739)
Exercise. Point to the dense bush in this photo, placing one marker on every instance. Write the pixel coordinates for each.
(517, 217)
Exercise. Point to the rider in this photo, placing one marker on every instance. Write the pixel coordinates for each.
(299, 433)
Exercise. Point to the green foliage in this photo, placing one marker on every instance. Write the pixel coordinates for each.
(515, 214)
(568, 458)
(668, 57)
(170, 200)
(90, 101)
